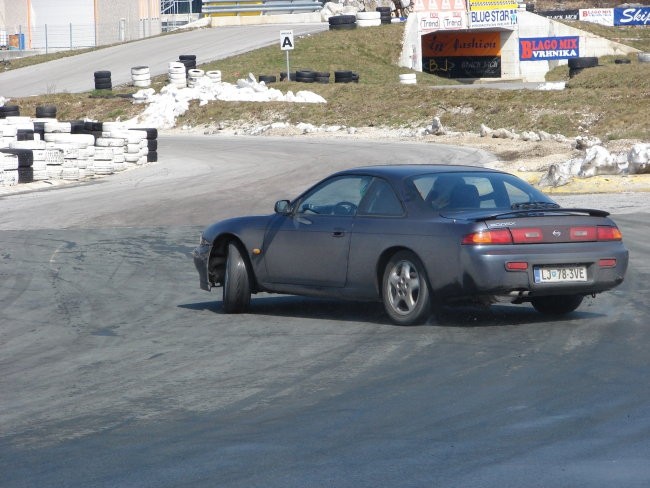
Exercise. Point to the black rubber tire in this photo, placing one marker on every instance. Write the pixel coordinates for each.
(236, 282)
(383, 9)
(46, 112)
(25, 175)
(322, 79)
(586, 62)
(622, 61)
(343, 26)
(191, 57)
(103, 85)
(100, 75)
(405, 290)
(342, 19)
(152, 132)
(152, 156)
(152, 145)
(77, 127)
(556, 305)
(267, 79)
(24, 135)
(575, 71)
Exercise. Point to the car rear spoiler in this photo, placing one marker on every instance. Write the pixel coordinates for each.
(478, 215)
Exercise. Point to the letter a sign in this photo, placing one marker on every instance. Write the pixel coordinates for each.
(286, 40)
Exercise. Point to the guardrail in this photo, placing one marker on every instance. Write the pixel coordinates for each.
(262, 6)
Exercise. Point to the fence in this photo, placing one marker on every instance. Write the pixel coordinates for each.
(58, 37)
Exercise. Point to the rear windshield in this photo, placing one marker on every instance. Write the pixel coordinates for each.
(475, 190)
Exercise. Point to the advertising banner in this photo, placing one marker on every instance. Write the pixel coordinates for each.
(632, 16)
(546, 48)
(492, 18)
(433, 21)
(442, 44)
(603, 16)
(439, 5)
(462, 54)
(477, 5)
(560, 14)
(467, 67)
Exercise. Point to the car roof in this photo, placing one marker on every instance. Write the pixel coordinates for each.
(409, 170)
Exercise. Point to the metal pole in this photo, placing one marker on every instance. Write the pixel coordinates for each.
(46, 44)
(288, 72)
(70, 36)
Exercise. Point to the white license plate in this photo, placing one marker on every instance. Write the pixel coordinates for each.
(564, 274)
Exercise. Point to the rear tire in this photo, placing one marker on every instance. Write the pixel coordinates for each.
(556, 305)
(236, 282)
(405, 290)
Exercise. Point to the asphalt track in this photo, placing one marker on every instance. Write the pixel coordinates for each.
(117, 371)
(75, 74)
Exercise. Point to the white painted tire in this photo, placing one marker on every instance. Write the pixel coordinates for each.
(177, 71)
(195, 73)
(145, 77)
(54, 172)
(10, 177)
(103, 154)
(142, 84)
(109, 142)
(368, 23)
(9, 162)
(368, 15)
(214, 75)
(40, 174)
(644, 57)
(141, 70)
(27, 145)
(57, 127)
(8, 130)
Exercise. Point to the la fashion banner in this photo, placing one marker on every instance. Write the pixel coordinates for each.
(547, 48)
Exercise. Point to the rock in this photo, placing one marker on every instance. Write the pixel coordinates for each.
(585, 142)
(485, 130)
(598, 161)
(530, 136)
(436, 127)
(639, 159)
(503, 134)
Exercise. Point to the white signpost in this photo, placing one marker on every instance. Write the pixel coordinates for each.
(286, 44)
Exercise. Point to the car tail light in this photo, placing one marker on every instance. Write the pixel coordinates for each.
(524, 236)
(607, 263)
(516, 265)
(498, 236)
(609, 233)
(583, 233)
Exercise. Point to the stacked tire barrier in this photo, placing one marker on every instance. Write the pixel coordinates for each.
(177, 74)
(48, 149)
(194, 77)
(188, 60)
(346, 76)
(267, 79)
(368, 19)
(384, 15)
(103, 80)
(141, 76)
(342, 22)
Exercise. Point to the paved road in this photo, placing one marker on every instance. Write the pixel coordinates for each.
(75, 74)
(116, 370)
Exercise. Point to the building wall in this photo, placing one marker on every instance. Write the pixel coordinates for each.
(529, 26)
(66, 24)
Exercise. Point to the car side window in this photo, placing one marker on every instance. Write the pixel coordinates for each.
(381, 200)
(336, 196)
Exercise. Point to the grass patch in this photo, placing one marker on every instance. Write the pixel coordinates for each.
(610, 101)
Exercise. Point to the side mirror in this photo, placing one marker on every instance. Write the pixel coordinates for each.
(283, 207)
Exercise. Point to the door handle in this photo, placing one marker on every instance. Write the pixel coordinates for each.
(338, 233)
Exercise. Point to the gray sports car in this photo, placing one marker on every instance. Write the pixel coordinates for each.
(415, 236)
